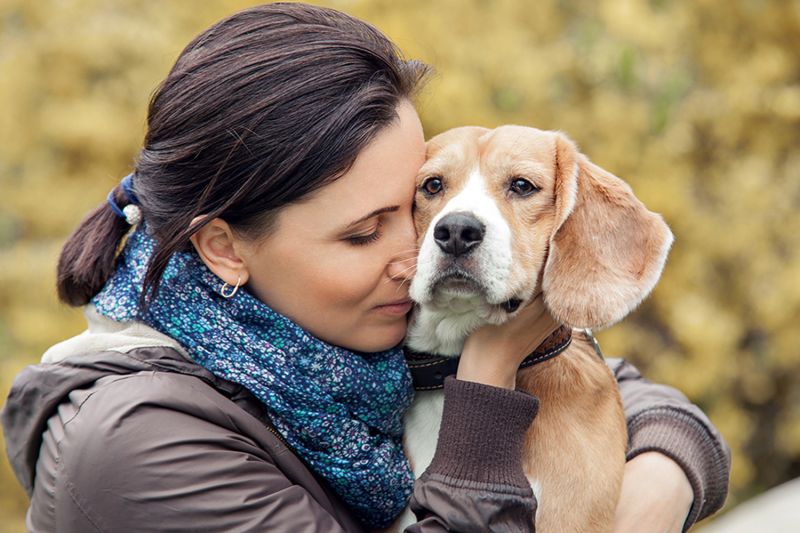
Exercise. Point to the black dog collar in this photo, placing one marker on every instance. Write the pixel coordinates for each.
(428, 371)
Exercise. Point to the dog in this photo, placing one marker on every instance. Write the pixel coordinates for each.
(503, 215)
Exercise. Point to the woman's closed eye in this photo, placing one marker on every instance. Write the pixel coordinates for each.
(360, 240)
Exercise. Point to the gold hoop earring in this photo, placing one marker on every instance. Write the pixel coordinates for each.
(230, 294)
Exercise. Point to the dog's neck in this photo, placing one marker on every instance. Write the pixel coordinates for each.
(429, 371)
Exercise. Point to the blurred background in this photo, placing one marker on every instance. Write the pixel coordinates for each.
(695, 104)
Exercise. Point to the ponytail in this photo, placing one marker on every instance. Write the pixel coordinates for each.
(88, 257)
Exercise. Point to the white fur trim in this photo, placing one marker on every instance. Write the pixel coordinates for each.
(104, 334)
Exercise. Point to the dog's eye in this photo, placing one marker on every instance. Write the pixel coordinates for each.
(522, 187)
(432, 186)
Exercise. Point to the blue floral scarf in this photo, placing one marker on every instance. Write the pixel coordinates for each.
(341, 411)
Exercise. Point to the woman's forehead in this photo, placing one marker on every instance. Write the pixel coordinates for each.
(382, 175)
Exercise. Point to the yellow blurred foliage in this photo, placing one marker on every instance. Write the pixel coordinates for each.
(696, 104)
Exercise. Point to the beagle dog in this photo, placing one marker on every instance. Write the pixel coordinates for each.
(503, 215)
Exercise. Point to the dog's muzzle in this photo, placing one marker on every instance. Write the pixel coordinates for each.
(458, 233)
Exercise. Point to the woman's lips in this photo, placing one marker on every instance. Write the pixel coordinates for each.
(399, 308)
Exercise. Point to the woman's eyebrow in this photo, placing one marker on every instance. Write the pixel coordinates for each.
(388, 209)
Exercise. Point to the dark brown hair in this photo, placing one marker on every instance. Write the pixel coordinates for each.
(259, 111)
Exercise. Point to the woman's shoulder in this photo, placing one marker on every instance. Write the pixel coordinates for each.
(106, 400)
(154, 447)
(151, 393)
(141, 414)
(115, 369)
(148, 394)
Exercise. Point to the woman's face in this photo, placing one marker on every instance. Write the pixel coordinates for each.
(339, 263)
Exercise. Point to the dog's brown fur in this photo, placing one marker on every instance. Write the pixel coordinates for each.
(575, 448)
(595, 251)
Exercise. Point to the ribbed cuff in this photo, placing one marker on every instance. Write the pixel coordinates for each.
(482, 433)
(681, 437)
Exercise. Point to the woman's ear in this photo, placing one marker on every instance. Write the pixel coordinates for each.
(607, 250)
(218, 247)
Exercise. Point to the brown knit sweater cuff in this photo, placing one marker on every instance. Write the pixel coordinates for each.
(482, 433)
(681, 437)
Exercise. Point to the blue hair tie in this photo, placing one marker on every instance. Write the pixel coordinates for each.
(127, 186)
(131, 213)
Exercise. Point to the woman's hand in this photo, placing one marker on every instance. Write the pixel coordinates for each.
(492, 354)
(656, 496)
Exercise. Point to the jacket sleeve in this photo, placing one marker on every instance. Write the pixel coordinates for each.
(661, 419)
(475, 481)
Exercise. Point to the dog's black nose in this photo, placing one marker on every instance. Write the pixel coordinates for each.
(458, 233)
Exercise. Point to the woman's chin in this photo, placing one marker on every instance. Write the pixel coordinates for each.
(380, 339)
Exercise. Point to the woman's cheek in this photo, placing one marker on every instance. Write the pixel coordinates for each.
(350, 283)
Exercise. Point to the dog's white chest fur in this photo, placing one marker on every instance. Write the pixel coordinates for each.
(442, 326)
(422, 422)
(420, 434)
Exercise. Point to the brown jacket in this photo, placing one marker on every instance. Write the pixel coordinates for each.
(121, 431)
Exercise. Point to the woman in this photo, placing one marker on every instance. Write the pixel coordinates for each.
(241, 369)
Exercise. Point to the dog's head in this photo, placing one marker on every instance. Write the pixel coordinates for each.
(504, 213)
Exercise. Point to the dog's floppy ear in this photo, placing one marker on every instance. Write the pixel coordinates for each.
(606, 251)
